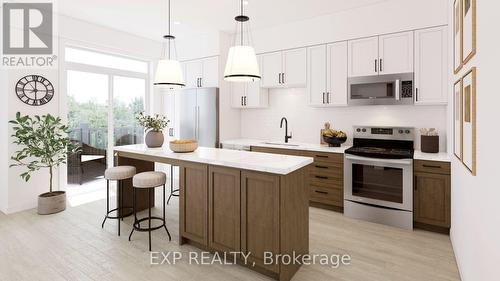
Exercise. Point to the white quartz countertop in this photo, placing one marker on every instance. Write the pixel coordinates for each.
(242, 144)
(440, 156)
(246, 143)
(246, 160)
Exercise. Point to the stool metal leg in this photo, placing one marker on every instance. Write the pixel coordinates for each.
(164, 217)
(135, 215)
(149, 224)
(107, 203)
(172, 190)
(119, 211)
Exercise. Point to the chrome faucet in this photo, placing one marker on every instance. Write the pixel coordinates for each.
(287, 137)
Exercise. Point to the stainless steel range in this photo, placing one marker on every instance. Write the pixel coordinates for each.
(378, 176)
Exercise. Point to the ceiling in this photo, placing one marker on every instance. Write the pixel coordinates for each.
(147, 18)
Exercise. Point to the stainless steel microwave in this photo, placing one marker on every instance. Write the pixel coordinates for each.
(381, 89)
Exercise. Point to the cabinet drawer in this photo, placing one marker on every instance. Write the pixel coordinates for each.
(434, 167)
(326, 158)
(275, 150)
(327, 196)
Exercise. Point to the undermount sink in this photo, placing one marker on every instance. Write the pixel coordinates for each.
(280, 143)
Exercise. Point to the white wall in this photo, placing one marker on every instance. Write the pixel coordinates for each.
(4, 157)
(305, 121)
(17, 195)
(475, 207)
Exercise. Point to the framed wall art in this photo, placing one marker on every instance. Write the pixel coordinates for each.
(469, 120)
(457, 119)
(468, 30)
(457, 36)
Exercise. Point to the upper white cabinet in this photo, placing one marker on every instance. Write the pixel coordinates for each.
(386, 54)
(284, 69)
(431, 60)
(249, 94)
(363, 57)
(327, 74)
(202, 73)
(396, 53)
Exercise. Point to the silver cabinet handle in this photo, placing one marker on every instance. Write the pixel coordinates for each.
(328, 97)
(323, 97)
(282, 78)
(380, 65)
(376, 65)
(416, 94)
(279, 78)
(242, 101)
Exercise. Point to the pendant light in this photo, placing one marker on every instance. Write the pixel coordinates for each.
(169, 72)
(241, 65)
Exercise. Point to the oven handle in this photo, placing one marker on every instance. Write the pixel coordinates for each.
(387, 161)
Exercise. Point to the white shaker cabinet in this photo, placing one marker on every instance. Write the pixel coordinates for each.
(431, 60)
(327, 75)
(396, 53)
(379, 55)
(249, 94)
(202, 73)
(363, 57)
(284, 69)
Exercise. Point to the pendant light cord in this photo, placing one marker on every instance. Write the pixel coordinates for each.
(241, 23)
(169, 15)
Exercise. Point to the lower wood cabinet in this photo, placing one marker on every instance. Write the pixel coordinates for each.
(260, 216)
(224, 207)
(194, 193)
(325, 179)
(431, 196)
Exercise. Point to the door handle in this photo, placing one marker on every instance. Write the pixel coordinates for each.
(245, 100)
(380, 65)
(321, 177)
(431, 166)
(416, 94)
(201, 83)
(328, 97)
(279, 78)
(241, 101)
(398, 96)
(283, 78)
(376, 65)
(321, 167)
(321, 156)
(323, 97)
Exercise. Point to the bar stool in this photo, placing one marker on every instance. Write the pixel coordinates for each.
(118, 174)
(173, 192)
(149, 181)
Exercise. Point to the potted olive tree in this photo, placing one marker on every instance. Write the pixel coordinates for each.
(43, 143)
(153, 125)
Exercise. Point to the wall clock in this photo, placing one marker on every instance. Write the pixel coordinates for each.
(34, 90)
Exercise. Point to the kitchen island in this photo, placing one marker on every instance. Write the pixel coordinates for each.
(235, 201)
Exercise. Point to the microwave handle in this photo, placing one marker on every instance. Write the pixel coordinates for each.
(398, 95)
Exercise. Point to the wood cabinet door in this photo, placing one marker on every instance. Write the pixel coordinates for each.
(295, 68)
(363, 57)
(260, 213)
(337, 74)
(193, 71)
(193, 223)
(224, 209)
(316, 75)
(431, 199)
(431, 66)
(271, 69)
(396, 53)
(210, 77)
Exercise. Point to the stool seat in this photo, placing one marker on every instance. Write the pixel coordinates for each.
(149, 179)
(119, 173)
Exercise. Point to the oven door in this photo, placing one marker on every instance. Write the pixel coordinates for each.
(380, 182)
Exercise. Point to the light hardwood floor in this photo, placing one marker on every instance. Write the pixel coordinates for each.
(72, 246)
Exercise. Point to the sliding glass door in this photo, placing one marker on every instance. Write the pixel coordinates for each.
(104, 95)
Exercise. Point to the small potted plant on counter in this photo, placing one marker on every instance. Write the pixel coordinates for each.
(153, 125)
(44, 144)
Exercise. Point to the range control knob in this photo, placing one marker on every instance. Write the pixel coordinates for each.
(358, 130)
(400, 131)
(364, 130)
(407, 131)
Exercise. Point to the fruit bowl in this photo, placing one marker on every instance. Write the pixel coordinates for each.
(183, 146)
(334, 141)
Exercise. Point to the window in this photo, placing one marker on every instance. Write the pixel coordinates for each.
(104, 60)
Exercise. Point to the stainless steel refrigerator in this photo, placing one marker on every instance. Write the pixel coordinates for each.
(199, 115)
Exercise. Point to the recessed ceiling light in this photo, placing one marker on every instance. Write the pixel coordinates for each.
(177, 22)
(245, 2)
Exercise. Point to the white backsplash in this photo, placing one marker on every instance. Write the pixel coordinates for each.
(305, 122)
